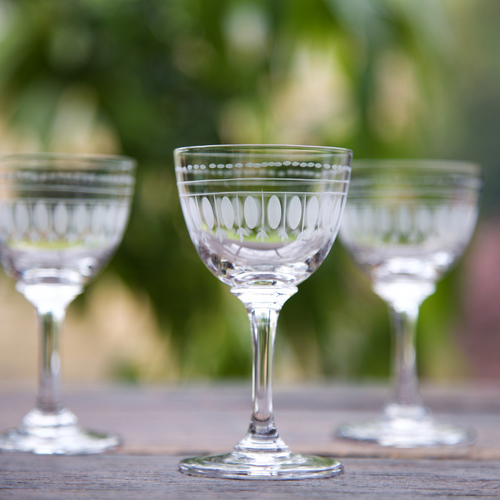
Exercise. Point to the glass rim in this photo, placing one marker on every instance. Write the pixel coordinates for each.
(102, 161)
(224, 149)
(459, 166)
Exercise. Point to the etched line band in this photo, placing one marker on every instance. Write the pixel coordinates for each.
(267, 193)
(261, 180)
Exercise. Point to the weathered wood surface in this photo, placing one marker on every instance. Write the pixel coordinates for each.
(164, 424)
(151, 477)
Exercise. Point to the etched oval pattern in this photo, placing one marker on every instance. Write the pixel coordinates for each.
(312, 212)
(98, 219)
(208, 213)
(195, 214)
(80, 219)
(238, 211)
(294, 212)
(61, 219)
(6, 223)
(21, 217)
(274, 212)
(41, 217)
(76, 222)
(261, 214)
(325, 211)
(227, 212)
(251, 210)
(388, 226)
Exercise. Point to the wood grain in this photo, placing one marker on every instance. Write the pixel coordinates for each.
(161, 425)
(155, 476)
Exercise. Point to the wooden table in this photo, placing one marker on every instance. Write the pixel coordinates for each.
(161, 425)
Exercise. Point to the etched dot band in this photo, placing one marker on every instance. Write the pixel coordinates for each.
(264, 164)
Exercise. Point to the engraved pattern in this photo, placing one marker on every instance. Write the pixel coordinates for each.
(251, 211)
(262, 216)
(208, 213)
(227, 212)
(312, 212)
(274, 221)
(294, 212)
(386, 226)
(89, 222)
(274, 212)
(264, 164)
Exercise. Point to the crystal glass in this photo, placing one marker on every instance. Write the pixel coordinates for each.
(61, 219)
(262, 219)
(405, 224)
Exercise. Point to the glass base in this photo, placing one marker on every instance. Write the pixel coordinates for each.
(261, 466)
(55, 434)
(407, 432)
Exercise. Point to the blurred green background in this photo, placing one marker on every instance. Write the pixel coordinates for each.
(386, 78)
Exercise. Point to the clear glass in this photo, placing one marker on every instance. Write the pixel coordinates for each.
(406, 222)
(61, 219)
(262, 219)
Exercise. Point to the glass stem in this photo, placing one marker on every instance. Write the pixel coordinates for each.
(404, 321)
(51, 302)
(404, 298)
(263, 306)
(263, 323)
(49, 399)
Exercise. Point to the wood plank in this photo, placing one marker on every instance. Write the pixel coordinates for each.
(161, 425)
(211, 419)
(120, 476)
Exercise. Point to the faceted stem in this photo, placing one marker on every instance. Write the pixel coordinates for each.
(263, 308)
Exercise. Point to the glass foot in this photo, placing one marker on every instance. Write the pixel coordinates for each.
(261, 466)
(407, 432)
(55, 434)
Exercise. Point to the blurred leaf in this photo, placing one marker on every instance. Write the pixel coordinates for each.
(159, 74)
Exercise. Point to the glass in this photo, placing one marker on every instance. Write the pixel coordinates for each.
(406, 223)
(61, 219)
(262, 219)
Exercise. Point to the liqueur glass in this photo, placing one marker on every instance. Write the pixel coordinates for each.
(406, 222)
(262, 218)
(61, 219)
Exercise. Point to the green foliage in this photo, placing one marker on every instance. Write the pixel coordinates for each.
(157, 74)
